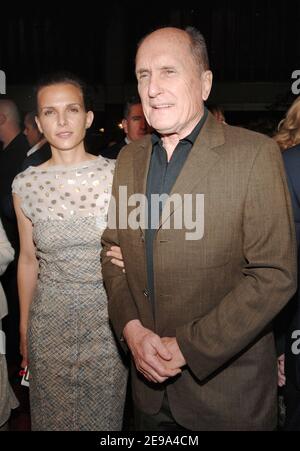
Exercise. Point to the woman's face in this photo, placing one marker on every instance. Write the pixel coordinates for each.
(62, 116)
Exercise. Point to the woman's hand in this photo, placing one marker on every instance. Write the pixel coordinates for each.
(117, 257)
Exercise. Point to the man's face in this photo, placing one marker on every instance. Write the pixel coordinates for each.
(170, 84)
(32, 133)
(135, 125)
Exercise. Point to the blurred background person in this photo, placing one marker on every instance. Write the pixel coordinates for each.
(218, 112)
(288, 322)
(288, 134)
(39, 151)
(12, 155)
(8, 401)
(134, 125)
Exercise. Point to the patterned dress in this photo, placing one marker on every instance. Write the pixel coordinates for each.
(77, 376)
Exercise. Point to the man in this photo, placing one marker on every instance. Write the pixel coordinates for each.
(134, 125)
(34, 137)
(40, 150)
(218, 112)
(196, 313)
(12, 155)
(14, 151)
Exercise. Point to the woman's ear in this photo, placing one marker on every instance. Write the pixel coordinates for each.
(89, 119)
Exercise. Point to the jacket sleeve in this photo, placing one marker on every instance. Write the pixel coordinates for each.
(121, 306)
(268, 277)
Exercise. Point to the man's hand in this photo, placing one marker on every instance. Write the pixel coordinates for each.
(178, 359)
(117, 257)
(281, 371)
(149, 353)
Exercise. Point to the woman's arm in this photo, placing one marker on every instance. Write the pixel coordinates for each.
(27, 274)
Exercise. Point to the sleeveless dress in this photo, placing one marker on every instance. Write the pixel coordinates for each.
(77, 376)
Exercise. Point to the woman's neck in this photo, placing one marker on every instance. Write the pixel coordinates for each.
(68, 157)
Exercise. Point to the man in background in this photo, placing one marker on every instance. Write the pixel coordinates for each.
(134, 125)
(12, 155)
(39, 151)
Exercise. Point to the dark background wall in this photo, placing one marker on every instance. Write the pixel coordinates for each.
(254, 47)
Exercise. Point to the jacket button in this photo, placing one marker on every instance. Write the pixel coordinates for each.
(146, 293)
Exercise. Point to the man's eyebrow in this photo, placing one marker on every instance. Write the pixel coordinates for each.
(164, 67)
(169, 66)
(139, 71)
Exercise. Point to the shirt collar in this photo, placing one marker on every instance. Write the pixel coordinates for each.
(191, 138)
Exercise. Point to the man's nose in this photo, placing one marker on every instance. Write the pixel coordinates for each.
(154, 87)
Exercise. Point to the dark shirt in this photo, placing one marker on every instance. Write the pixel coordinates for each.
(161, 179)
(113, 151)
(40, 156)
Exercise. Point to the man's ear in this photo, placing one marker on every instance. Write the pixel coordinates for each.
(206, 78)
(2, 118)
(89, 119)
(38, 124)
(125, 125)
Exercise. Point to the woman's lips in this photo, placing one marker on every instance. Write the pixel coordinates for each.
(64, 135)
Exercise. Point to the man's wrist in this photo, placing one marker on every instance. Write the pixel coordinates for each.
(132, 325)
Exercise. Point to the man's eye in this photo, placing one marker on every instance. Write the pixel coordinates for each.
(74, 110)
(48, 112)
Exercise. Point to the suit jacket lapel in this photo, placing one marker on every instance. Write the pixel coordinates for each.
(198, 164)
(201, 159)
(141, 165)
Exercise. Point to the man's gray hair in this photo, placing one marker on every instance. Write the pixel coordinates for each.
(198, 48)
(10, 110)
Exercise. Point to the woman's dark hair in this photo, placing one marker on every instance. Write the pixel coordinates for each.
(64, 77)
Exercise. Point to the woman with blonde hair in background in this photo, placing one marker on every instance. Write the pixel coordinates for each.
(288, 134)
(288, 139)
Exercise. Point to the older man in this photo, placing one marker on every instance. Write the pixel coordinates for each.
(195, 309)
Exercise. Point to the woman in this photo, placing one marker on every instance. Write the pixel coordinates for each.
(288, 139)
(78, 380)
(8, 400)
(288, 134)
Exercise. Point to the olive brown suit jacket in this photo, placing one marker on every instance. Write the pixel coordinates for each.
(217, 295)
